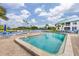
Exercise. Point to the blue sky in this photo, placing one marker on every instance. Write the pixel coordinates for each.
(38, 14)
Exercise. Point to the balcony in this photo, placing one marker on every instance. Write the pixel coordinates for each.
(67, 24)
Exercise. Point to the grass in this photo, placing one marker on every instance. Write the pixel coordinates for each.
(1, 30)
(8, 30)
(50, 29)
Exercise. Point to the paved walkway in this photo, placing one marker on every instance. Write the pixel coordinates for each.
(9, 48)
(75, 44)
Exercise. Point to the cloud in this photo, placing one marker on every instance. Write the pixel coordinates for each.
(38, 10)
(58, 11)
(17, 19)
(14, 20)
(14, 24)
(2, 21)
(25, 13)
(54, 17)
(54, 13)
(41, 12)
(33, 20)
(74, 8)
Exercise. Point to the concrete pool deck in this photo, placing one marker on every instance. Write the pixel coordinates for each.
(9, 48)
(68, 51)
(75, 43)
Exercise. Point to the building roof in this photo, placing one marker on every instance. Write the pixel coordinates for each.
(68, 20)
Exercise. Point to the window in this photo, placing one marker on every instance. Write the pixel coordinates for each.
(74, 23)
(74, 28)
(66, 28)
(67, 23)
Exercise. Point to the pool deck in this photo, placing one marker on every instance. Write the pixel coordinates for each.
(68, 51)
(8, 47)
(72, 45)
(75, 43)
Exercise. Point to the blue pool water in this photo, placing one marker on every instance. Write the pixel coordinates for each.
(49, 42)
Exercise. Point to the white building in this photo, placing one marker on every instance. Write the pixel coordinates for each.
(70, 25)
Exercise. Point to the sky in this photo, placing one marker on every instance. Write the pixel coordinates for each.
(38, 14)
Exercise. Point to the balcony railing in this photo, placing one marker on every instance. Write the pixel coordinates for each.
(67, 24)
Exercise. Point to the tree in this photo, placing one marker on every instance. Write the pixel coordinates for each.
(62, 24)
(2, 14)
(57, 26)
(34, 27)
(25, 21)
(46, 26)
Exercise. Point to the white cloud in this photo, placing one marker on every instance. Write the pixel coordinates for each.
(41, 12)
(54, 13)
(53, 17)
(14, 20)
(58, 11)
(2, 21)
(25, 13)
(15, 17)
(38, 10)
(33, 20)
(74, 8)
(17, 20)
(62, 7)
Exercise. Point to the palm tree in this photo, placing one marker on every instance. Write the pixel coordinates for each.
(2, 15)
(62, 24)
(57, 26)
(46, 26)
(25, 21)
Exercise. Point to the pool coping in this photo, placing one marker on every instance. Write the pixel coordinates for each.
(37, 51)
(30, 48)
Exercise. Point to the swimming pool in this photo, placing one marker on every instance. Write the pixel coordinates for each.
(47, 42)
